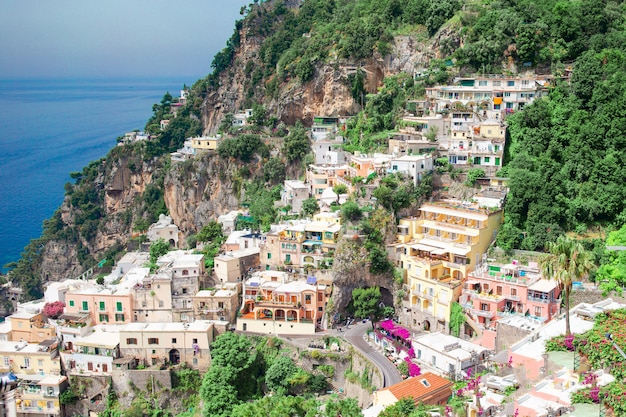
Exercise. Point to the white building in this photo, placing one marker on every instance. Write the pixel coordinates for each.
(294, 193)
(164, 229)
(414, 166)
(448, 355)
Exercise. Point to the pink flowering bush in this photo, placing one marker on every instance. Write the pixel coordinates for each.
(53, 310)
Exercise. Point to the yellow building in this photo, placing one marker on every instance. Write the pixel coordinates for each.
(39, 395)
(205, 143)
(30, 327)
(436, 250)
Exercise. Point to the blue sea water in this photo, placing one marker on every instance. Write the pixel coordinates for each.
(49, 128)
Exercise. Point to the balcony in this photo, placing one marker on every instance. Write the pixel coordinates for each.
(484, 313)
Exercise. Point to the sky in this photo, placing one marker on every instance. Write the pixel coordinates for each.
(113, 38)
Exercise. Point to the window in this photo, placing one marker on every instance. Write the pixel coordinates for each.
(220, 304)
(484, 307)
(514, 292)
(7, 362)
(496, 148)
(103, 317)
(161, 303)
(485, 287)
(27, 363)
(185, 272)
(269, 256)
(119, 317)
(194, 341)
(173, 340)
(184, 290)
(118, 306)
(538, 311)
(499, 290)
(39, 362)
(497, 162)
(495, 83)
(144, 304)
(419, 354)
(424, 381)
(195, 361)
(102, 306)
(307, 299)
(71, 303)
(320, 309)
(510, 83)
(482, 83)
(153, 341)
(507, 94)
(85, 306)
(477, 160)
(287, 258)
(487, 159)
(131, 341)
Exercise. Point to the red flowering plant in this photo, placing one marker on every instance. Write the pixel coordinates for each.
(53, 310)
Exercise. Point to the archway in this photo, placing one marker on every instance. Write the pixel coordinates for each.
(426, 325)
(174, 357)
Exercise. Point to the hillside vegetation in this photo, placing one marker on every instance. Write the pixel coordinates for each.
(565, 158)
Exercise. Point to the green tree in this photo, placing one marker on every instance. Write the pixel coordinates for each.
(457, 318)
(350, 210)
(296, 144)
(218, 392)
(367, 303)
(566, 261)
(278, 375)
(611, 275)
(157, 249)
(211, 232)
(259, 115)
(347, 407)
(310, 206)
(403, 408)
(274, 171)
(340, 189)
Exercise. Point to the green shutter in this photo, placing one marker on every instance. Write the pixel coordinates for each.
(119, 306)
(498, 162)
(85, 306)
(101, 305)
(71, 303)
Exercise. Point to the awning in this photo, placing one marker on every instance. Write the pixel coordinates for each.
(439, 251)
(461, 231)
(424, 247)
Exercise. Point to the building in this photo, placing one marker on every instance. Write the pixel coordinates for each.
(159, 344)
(283, 307)
(233, 266)
(448, 355)
(494, 291)
(39, 395)
(152, 298)
(241, 117)
(104, 305)
(205, 143)
(428, 388)
(413, 166)
(164, 229)
(329, 152)
(437, 250)
(321, 178)
(300, 245)
(228, 221)
(23, 358)
(216, 305)
(70, 327)
(294, 194)
(30, 327)
(94, 352)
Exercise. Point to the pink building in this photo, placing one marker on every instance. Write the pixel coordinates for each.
(494, 291)
(104, 306)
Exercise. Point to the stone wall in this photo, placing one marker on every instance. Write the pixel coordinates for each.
(130, 383)
(508, 335)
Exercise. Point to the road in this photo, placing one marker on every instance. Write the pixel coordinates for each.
(354, 335)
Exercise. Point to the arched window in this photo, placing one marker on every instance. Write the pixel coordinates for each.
(185, 272)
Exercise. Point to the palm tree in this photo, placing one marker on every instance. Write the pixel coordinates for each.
(566, 261)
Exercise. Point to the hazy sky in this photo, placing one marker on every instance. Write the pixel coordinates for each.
(86, 38)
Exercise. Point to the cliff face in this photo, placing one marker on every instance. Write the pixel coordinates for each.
(327, 93)
(200, 190)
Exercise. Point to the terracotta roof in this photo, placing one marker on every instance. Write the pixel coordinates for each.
(416, 387)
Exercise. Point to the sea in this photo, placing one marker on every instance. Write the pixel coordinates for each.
(51, 127)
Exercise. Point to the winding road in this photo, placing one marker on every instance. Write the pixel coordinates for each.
(354, 335)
